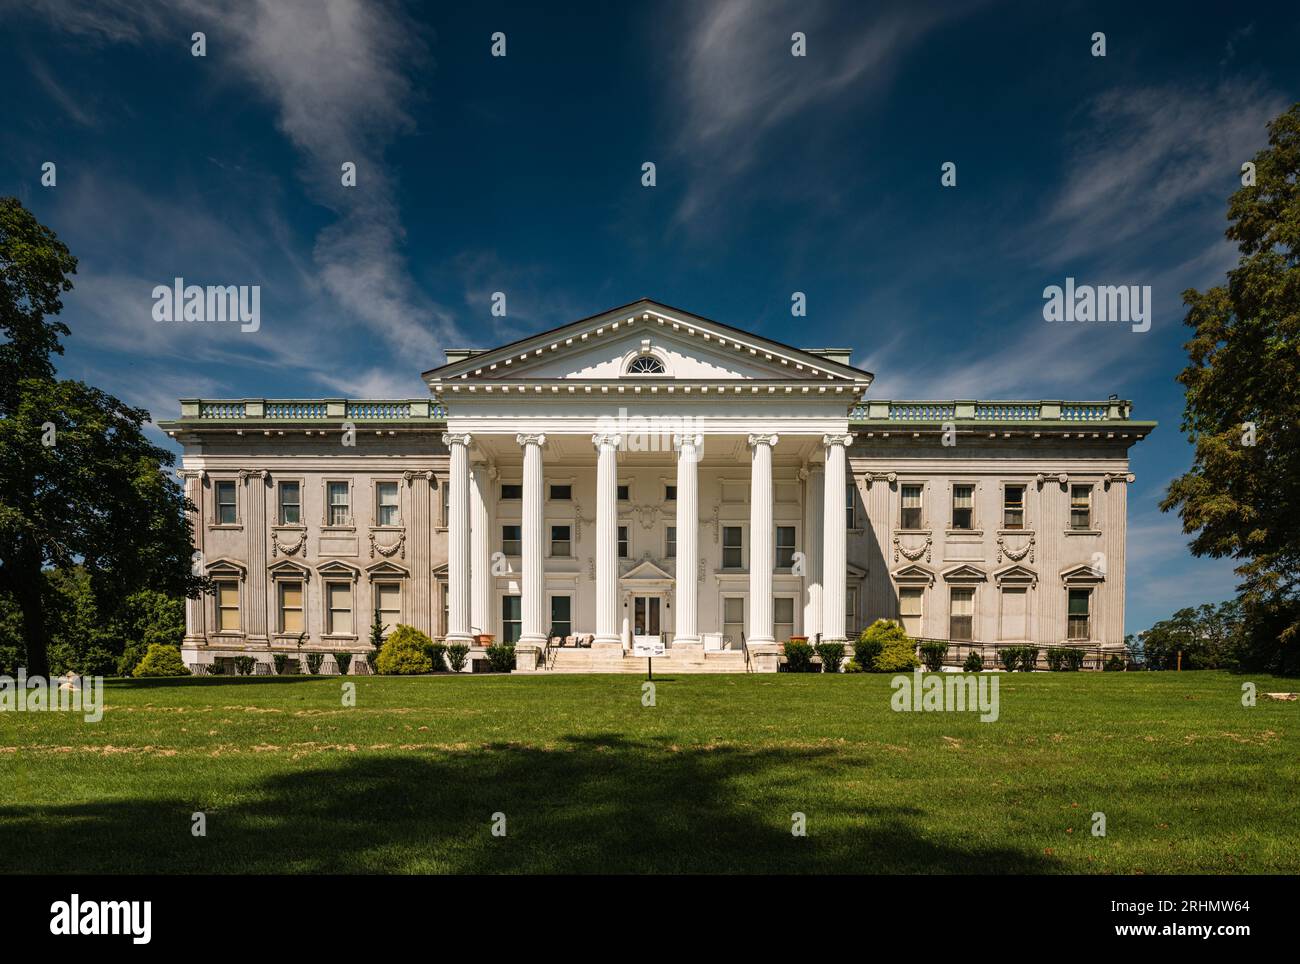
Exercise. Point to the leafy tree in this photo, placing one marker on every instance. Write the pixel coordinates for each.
(1209, 637)
(1241, 495)
(79, 483)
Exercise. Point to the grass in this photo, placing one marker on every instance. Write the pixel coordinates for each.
(291, 781)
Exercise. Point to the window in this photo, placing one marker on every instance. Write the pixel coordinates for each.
(512, 620)
(512, 540)
(226, 504)
(910, 602)
(624, 551)
(228, 605)
(624, 493)
(561, 616)
(733, 620)
(670, 493)
(1080, 507)
(733, 547)
(963, 506)
(290, 504)
(785, 547)
(1080, 623)
(561, 541)
(851, 613)
(511, 491)
(446, 606)
(336, 497)
(783, 618)
(1013, 507)
(388, 513)
(291, 607)
(850, 505)
(338, 608)
(388, 603)
(670, 543)
(561, 493)
(445, 485)
(646, 365)
(961, 625)
(911, 518)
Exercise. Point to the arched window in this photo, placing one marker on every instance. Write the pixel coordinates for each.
(646, 365)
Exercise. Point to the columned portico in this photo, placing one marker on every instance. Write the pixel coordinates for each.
(761, 555)
(458, 540)
(688, 539)
(607, 629)
(533, 577)
(834, 537)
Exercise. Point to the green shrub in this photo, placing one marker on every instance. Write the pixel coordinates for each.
(457, 653)
(1114, 664)
(832, 655)
(1055, 658)
(798, 657)
(376, 640)
(438, 656)
(974, 662)
(217, 667)
(933, 654)
(161, 660)
(896, 651)
(865, 651)
(345, 661)
(1028, 658)
(501, 657)
(244, 665)
(1009, 657)
(314, 663)
(281, 660)
(1073, 661)
(405, 653)
(853, 666)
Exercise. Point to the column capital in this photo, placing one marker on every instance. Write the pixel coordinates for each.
(455, 438)
(769, 440)
(694, 441)
(524, 439)
(604, 439)
(829, 440)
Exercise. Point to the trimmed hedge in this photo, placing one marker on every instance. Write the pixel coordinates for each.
(161, 660)
(405, 653)
(501, 657)
(974, 662)
(889, 648)
(798, 657)
(832, 655)
(933, 654)
(457, 653)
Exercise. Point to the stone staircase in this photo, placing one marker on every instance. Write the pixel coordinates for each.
(612, 661)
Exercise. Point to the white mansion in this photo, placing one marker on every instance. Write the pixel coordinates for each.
(647, 473)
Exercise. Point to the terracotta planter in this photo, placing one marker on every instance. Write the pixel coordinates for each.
(797, 639)
(484, 639)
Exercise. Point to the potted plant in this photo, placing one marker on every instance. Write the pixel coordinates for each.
(484, 639)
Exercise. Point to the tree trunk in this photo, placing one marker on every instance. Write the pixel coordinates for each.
(29, 592)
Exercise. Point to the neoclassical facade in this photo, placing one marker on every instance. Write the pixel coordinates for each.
(648, 475)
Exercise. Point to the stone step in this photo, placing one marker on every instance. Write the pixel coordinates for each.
(603, 661)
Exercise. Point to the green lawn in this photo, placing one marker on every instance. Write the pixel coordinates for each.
(1190, 781)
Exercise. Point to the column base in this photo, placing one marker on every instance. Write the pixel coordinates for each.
(687, 642)
(465, 639)
(527, 657)
(764, 657)
(607, 644)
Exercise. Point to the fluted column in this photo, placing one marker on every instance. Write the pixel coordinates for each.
(814, 506)
(458, 549)
(834, 537)
(419, 537)
(195, 609)
(480, 553)
(761, 555)
(607, 630)
(687, 632)
(533, 630)
(255, 481)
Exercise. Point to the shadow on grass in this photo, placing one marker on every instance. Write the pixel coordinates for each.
(594, 803)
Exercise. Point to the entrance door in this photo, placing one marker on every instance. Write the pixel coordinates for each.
(1015, 609)
(645, 615)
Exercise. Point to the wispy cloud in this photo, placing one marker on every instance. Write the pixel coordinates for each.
(738, 82)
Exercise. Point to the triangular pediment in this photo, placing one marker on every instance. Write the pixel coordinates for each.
(914, 574)
(964, 573)
(645, 342)
(287, 567)
(338, 569)
(385, 568)
(1015, 575)
(1082, 575)
(646, 571)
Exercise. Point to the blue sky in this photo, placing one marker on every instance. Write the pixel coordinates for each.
(775, 174)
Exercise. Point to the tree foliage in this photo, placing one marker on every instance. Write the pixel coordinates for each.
(1240, 497)
(80, 485)
(1209, 637)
